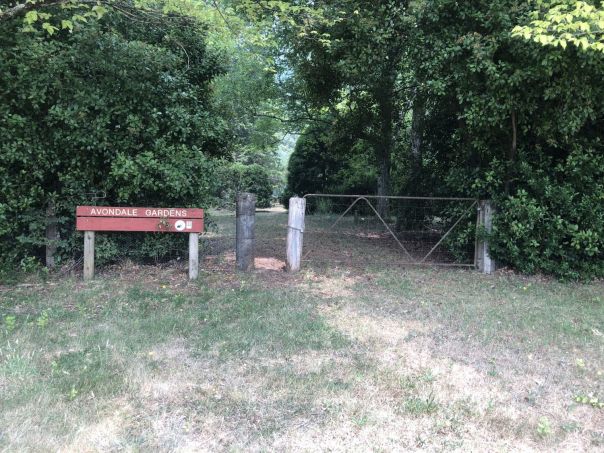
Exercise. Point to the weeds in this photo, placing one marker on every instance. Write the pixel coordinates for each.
(590, 400)
(422, 405)
(10, 322)
(544, 427)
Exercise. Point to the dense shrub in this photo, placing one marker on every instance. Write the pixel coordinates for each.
(320, 163)
(237, 177)
(555, 223)
(518, 123)
(117, 109)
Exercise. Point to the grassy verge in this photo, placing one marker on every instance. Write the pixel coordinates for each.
(382, 360)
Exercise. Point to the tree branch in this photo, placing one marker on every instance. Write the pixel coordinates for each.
(122, 7)
(22, 8)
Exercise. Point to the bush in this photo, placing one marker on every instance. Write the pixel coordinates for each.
(236, 177)
(116, 109)
(555, 224)
(321, 163)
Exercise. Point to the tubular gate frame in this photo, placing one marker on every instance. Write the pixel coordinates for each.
(422, 262)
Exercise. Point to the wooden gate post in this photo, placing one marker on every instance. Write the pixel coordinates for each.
(246, 222)
(484, 262)
(193, 256)
(295, 233)
(88, 255)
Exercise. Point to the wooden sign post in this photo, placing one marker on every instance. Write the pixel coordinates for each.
(156, 220)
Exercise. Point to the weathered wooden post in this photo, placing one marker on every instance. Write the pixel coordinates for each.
(484, 262)
(88, 255)
(246, 222)
(193, 256)
(295, 233)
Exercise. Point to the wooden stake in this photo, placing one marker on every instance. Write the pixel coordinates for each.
(295, 233)
(88, 255)
(193, 256)
(484, 262)
(246, 223)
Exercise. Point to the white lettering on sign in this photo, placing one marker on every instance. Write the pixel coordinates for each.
(166, 212)
(114, 212)
(189, 224)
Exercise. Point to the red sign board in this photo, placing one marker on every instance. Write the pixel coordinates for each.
(161, 220)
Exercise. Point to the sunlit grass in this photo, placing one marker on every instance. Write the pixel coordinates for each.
(331, 358)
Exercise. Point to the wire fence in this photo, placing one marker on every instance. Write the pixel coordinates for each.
(340, 230)
(358, 230)
(217, 248)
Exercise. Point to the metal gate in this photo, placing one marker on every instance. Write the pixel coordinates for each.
(369, 230)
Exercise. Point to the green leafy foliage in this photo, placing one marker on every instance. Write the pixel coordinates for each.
(118, 109)
(237, 177)
(508, 122)
(560, 23)
(321, 163)
(471, 111)
(355, 77)
(437, 97)
(555, 224)
(43, 14)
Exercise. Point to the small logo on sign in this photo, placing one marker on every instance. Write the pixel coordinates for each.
(180, 225)
(189, 224)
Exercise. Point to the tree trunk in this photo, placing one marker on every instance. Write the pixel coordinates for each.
(511, 157)
(384, 144)
(383, 180)
(52, 235)
(417, 126)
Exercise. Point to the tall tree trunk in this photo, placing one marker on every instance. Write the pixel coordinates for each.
(511, 157)
(384, 145)
(384, 161)
(417, 126)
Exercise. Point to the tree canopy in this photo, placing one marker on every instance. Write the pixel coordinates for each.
(561, 23)
(499, 100)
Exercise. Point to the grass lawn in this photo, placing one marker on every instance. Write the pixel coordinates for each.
(328, 359)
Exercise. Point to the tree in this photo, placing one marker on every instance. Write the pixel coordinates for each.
(65, 135)
(518, 123)
(356, 75)
(325, 162)
(569, 22)
(246, 95)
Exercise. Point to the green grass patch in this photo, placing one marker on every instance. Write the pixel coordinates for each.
(329, 353)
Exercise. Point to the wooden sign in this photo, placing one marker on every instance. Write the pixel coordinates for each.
(158, 220)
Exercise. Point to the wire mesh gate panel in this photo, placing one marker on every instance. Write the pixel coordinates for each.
(217, 243)
(363, 230)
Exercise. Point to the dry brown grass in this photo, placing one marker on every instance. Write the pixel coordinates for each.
(325, 360)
